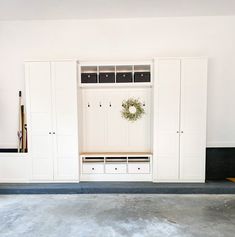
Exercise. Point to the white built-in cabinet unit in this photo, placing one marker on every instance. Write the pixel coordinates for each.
(180, 93)
(52, 119)
(111, 147)
(76, 131)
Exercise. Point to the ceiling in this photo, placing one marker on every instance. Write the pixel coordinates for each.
(97, 9)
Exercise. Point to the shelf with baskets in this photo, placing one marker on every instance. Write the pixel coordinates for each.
(115, 75)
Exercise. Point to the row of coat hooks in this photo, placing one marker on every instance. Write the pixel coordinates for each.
(110, 104)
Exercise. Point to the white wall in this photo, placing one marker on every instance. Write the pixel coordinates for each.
(122, 39)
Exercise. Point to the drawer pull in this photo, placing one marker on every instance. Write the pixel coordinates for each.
(89, 76)
(115, 168)
(138, 168)
(93, 168)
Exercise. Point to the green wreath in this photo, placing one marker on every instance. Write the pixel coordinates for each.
(132, 109)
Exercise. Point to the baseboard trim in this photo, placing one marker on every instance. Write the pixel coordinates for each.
(119, 188)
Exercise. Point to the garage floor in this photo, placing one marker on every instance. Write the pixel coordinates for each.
(109, 215)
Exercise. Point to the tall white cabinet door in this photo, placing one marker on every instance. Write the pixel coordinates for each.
(166, 124)
(116, 126)
(94, 120)
(38, 81)
(65, 122)
(193, 119)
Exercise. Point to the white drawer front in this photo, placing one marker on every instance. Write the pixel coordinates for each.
(93, 168)
(138, 168)
(115, 168)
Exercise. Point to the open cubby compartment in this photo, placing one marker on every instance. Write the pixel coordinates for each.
(115, 159)
(98, 74)
(124, 74)
(106, 74)
(142, 73)
(89, 74)
(92, 159)
(116, 164)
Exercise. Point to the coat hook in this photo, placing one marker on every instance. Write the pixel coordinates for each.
(88, 105)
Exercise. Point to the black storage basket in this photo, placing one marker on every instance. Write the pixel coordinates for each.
(124, 77)
(108, 77)
(142, 77)
(89, 77)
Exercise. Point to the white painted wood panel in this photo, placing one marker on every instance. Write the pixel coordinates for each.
(94, 121)
(104, 129)
(117, 127)
(193, 119)
(65, 120)
(140, 130)
(40, 108)
(167, 116)
(15, 168)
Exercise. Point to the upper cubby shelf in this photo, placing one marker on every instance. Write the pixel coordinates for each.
(100, 75)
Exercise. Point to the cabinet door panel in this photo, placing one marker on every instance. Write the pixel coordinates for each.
(42, 162)
(40, 122)
(65, 121)
(166, 124)
(193, 119)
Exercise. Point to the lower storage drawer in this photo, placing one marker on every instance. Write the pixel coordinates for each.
(115, 168)
(93, 168)
(138, 168)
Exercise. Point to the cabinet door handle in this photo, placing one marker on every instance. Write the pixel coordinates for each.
(177, 132)
(53, 132)
(182, 131)
(49, 132)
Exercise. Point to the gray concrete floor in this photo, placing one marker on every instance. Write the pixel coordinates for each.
(106, 215)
